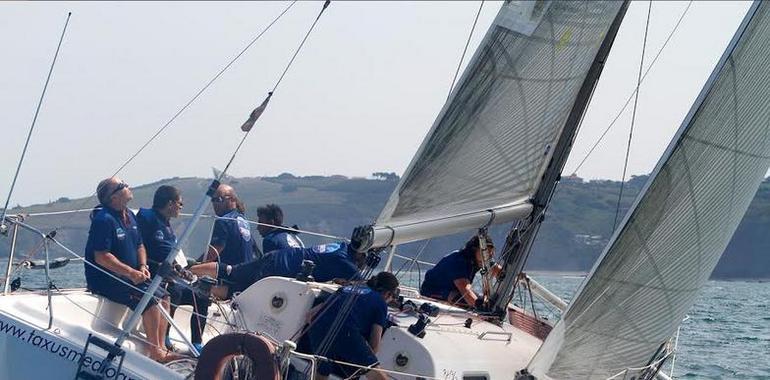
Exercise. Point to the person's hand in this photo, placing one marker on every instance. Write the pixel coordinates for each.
(481, 305)
(146, 271)
(137, 277)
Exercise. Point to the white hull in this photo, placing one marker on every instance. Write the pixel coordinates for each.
(30, 351)
(448, 351)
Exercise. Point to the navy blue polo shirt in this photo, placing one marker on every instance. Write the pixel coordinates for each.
(280, 239)
(439, 280)
(110, 233)
(234, 234)
(331, 261)
(369, 308)
(157, 235)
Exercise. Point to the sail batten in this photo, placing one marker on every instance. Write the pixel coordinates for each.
(495, 136)
(668, 244)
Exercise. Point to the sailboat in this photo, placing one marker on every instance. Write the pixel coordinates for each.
(494, 155)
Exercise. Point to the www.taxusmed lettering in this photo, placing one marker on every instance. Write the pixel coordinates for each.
(71, 354)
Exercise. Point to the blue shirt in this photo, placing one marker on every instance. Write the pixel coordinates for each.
(157, 235)
(369, 308)
(439, 280)
(109, 233)
(331, 261)
(234, 234)
(280, 239)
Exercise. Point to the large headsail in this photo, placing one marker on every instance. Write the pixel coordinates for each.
(490, 145)
(666, 248)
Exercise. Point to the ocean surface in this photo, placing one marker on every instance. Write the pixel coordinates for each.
(726, 334)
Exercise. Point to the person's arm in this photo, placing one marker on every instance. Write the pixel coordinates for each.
(496, 270)
(218, 240)
(213, 252)
(375, 337)
(141, 253)
(466, 290)
(205, 269)
(112, 264)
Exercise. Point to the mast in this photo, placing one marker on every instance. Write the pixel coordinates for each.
(662, 253)
(516, 252)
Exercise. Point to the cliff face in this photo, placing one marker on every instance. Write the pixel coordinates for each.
(575, 231)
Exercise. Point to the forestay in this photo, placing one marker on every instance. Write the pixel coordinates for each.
(492, 141)
(668, 245)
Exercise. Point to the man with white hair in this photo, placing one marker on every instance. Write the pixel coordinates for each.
(118, 256)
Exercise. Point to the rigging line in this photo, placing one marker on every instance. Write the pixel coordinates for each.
(631, 95)
(285, 70)
(465, 49)
(326, 5)
(34, 120)
(633, 117)
(204, 88)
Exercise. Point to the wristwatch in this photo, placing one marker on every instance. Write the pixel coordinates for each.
(144, 266)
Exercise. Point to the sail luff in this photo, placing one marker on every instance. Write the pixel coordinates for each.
(516, 260)
(670, 240)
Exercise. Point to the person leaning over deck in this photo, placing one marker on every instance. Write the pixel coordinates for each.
(360, 333)
(332, 261)
(274, 238)
(452, 278)
(115, 246)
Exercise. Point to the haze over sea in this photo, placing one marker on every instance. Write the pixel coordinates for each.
(727, 334)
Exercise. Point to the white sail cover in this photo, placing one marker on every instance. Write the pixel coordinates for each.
(489, 146)
(666, 248)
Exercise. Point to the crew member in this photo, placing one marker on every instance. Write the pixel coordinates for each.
(270, 219)
(231, 244)
(332, 261)
(358, 338)
(155, 225)
(159, 240)
(452, 277)
(115, 246)
(231, 241)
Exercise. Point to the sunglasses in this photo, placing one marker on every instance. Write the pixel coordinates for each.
(120, 187)
(219, 199)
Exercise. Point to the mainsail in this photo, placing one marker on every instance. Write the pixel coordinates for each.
(666, 248)
(489, 147)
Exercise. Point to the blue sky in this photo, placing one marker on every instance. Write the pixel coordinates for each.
(359, 99)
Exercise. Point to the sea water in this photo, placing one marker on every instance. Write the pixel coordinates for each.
(726, 334)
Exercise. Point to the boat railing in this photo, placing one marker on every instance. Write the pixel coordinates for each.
(11, 254)
(17, 222)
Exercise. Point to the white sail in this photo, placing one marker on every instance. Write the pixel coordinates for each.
(492, 141)
(666, 248)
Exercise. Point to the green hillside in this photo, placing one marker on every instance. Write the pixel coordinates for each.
(575, 231)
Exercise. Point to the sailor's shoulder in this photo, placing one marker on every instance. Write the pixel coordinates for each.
(103, 216)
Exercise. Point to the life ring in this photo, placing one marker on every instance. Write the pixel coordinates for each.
(218, 351)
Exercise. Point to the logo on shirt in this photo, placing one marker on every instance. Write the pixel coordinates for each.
(120, 233)
(159, 235)
(326, 248)
(243, 227)
(293, 241)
